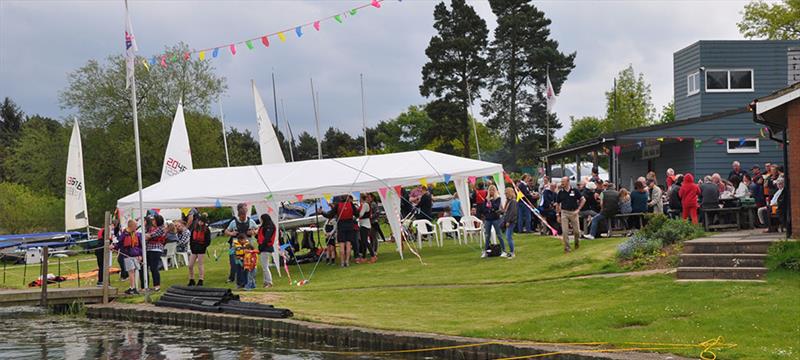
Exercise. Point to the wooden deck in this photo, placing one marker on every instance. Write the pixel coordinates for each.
(55, 296)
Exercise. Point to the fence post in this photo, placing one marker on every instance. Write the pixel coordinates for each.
(45, 255)
(78, 270)
(58, 283)
(106, 236)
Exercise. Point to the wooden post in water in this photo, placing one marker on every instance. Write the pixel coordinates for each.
(45, 256)
(106, 236)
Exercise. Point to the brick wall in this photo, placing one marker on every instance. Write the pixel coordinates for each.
(793, 112)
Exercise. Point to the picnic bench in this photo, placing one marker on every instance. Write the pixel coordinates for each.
(722, 214)
(623, 218)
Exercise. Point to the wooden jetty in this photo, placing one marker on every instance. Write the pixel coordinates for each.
(55, 296)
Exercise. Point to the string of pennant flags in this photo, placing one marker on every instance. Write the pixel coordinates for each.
(299, 30)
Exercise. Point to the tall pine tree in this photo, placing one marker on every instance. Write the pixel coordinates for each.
(455, 71)
(519, 58)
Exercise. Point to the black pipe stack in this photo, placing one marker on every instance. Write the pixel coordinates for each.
(217, 300)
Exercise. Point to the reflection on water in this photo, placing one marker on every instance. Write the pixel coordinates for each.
(29, 333)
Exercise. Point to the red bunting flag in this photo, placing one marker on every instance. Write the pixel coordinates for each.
(186, 56)
(299, 197)
(720, 142)
(617, 149)
(376, 3)
(233, 49)
(399, 190)
(508, 178)
(265, 41)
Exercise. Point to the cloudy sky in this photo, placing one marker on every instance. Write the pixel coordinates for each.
(42, 41)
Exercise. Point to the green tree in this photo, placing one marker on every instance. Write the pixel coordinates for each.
(243, 148)
(520, 57)
(773, 20)
(406, 132)
(38, 157)
(455, 71)
(337, 143)
(11, 118)
(629, 103)
(97, 90)
(667, 113)
(306, 147)
(32, 211)
(585, 128)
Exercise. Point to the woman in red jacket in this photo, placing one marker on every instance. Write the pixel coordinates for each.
(689, 192)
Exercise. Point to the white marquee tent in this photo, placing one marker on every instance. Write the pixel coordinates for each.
(265, 186)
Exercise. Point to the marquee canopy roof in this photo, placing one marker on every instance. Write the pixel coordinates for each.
(305, 179)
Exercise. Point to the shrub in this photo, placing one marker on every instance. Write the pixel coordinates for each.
(23, 210)
(784, 255)
(637, 246)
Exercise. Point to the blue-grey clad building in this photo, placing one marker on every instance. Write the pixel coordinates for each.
(714, 81)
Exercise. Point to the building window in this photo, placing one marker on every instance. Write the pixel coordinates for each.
(734, 80)
(693, 84)
(743, 146)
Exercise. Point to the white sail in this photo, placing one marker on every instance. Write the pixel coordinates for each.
(178, 157)
(270, 148)
(75, 214)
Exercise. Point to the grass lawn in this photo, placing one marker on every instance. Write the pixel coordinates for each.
(533, 298)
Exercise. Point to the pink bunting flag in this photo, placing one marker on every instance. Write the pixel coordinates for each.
(472, 180)
(299, 197)
(233, 49)
(680, 139)
(163, 60)
(376, 4)
(265, 41)
(720, 142)
(383, 191)
(316, 25)
(617, 149)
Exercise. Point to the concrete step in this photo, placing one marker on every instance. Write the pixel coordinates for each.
(722, 260)
(726, 247)
(733, 273)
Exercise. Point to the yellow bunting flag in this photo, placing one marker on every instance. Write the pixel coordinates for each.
(281, 36)
(424, 182)
(185, 211)
(660, 139)
(146, 65)
(519, 195)
(202, 55)
(327, 197)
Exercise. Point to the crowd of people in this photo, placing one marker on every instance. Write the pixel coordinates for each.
(353, 229)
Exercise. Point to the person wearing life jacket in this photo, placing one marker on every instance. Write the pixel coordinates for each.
(345, 212)
(241, 224)
(130, 247)
(267, 233)
(155, 239)
(198, 243)
(249, 265)
(365, 227)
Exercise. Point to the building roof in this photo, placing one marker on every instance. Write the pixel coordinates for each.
(771, 111)
(612, 136)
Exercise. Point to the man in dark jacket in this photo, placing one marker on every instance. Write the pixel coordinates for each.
(609, 207)
(523, 213)
(709, 196)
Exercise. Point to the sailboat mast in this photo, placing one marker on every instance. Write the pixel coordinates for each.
(289, 128)
(275, 102)
(224, 134)
(363, 114)
(316, 118)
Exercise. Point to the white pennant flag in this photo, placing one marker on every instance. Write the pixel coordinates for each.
(550, 95)
(130, 48)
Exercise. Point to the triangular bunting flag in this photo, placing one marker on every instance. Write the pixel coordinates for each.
(508, 178)
(496, 178)
(185, 211)
(617, 149)
(316, 25)
(217, 204)
(376, 3)
(327, 197)
(269, 196)
(265, 41)
(660, 139)
(233, 49)
(353, 12)
(424, 182)
(446, 178)
(281, 36)
(472, 180)
(519, 195)
(399, 190)
(299, 197)
(338, 18)
(215, 53)
(383, 191)
(249, 44)
(299, 31)
(697, 143)
(356, 195)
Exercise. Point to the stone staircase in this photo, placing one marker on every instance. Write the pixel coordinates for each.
(727, 256)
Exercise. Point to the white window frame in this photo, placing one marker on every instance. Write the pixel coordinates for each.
(696, 77)
(752, 81)
(743, 151)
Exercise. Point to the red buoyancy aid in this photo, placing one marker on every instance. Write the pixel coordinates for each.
(261, 237)
(345, 211)
(199, 236)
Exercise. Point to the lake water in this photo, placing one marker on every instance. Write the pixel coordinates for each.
(30, 333)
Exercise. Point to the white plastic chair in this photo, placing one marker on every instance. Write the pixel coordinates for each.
(422, 227)
(183, 255)
(448, 225)
(169, 254)
(470, 229)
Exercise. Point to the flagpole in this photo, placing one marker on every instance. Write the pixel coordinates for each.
(474, 122)
(224, 134)
(316, 119)
(363, 113)
(132, 75)
(289, 128)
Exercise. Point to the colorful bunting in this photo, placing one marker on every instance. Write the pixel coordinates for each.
(186, 56)
(496, 178)
(519, 195)
(270, 210)
(353, 12)
(376, 4)
(680, 139)
(164, 61)
(508, 178)
(299, 197)
(660, 139)
(281, 36)
(268, 197)
(215, 53)
(720, 142)
(383, 191)
(399, 190)
(185, 211)
(327, 197)
(639, 144)
(265, 41)
(146, 65)
(202, 55)
(617, 149)
(446, 178)
(356, 195)
(249, 44)
(299, 31)
(325, 203)
(316, 25)
(424, 182)
(697, 143)
(217, 204)
(742, 141)
(472, 180)
(338, 18)
(233, 49)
